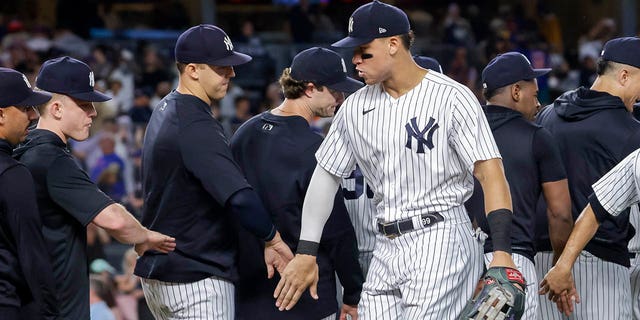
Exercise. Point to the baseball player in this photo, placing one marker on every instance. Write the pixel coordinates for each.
(634, 270)
(418, 138)
(577, 120)
(531, 160)
(67, 198)
(358, 195)
(192, 187)
(26, 274)
(612, 194)
(276, 150)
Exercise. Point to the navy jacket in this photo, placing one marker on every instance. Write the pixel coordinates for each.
(25, 266)
(530, 158)
(277, 155)
(595, 132)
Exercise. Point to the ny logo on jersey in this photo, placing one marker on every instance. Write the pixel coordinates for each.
(413, 131)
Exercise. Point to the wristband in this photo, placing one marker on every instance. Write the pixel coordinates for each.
(308, 247)
(500, 228)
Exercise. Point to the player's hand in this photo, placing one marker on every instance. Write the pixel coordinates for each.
(349, 312)
(559, 285)
(156, 241)
(277, 255)
(502, 259)
(300, 274)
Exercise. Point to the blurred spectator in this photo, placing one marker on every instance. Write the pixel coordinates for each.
(128, 287)
(227, 104)
(163, 88)
(461, 71)
(154, 69)
(125, 72)
(100, 62)
(273, 95)
(248, 42)
(457, 30)
(98, 293)
(108, 172)
(242, 114)
(97, 239)
(140, 112)
(300, 23)
(71, 44)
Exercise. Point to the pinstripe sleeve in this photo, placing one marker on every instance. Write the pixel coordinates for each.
(471, 135)
(618, 188)
(335, 153)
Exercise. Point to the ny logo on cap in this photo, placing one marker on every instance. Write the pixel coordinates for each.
(350, 25)
(29, 84)
(92, 81)
(227, 42)
(344, 67)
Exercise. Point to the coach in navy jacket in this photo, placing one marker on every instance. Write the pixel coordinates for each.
(25, 266)
(276, 151)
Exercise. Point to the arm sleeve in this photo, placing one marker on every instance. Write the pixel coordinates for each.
(339, 239)
(470, 133)
(70, 188)
(207, 156)
(23, 220)
(335, 153)
(246, 205)
(617, 189)
(318, 204)
(547, 155)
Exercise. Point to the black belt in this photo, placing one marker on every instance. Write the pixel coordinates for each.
(395, 228)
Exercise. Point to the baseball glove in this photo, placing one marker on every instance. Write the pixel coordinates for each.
(500, 297)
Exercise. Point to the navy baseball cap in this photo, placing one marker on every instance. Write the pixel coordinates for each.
(208, 44)
(428, 63)
(71, 77)
(15, 90)
(374, 20)
(622, 50)
(508, 68)
(323, 67)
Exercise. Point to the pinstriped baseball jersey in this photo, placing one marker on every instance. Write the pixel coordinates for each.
(417, 151)
(619, 188)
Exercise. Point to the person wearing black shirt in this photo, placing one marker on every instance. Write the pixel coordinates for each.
(276, 152)
(67, 198)
(26, 274)
(193, 188)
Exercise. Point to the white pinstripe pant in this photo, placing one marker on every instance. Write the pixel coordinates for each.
(424, 274)
(208, 299)
(604, 289)
(528, 270)
(635, 287)
(547, 310)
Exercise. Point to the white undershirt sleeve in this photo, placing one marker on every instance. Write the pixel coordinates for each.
(318, 204)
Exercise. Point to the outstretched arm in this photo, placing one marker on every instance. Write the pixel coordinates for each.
(302, 271)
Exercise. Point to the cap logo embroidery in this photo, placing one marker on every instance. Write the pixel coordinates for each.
(350, 25)
(344, 67)
(29, 84)
(227, 42)
(91, 80)
(382, 30)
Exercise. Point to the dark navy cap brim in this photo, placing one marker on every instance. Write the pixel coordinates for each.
(351, 42)
(91, 96)
(540, 72)
(236, 58)
(347, 85)
(34, 99)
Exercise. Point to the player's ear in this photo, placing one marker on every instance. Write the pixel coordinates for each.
(394, 44)
(515, 92)
(308, 90)
(3, 117)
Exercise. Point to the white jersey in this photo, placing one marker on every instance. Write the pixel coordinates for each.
(618, 189)
(416, 151)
